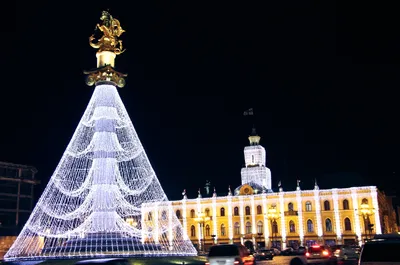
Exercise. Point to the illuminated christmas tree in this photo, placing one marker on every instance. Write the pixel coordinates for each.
(92, 205)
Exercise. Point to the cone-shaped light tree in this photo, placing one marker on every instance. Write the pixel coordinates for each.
(92, 205)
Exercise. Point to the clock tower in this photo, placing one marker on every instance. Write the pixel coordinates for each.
(255, 171)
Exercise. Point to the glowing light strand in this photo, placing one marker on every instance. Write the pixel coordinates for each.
(356, 214)
(230, 221)
(300, 216)
(283, 221)
(266, 223)
(374, 195)
(318, 213)
(93, 203)
(337, 214)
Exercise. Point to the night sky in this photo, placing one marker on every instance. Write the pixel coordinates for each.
(322, 80)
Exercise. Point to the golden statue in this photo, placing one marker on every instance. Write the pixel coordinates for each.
(109, 46)
(111, 30)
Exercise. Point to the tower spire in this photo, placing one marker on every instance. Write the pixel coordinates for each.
(108, 47)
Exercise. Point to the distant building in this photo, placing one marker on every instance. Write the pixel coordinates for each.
(16, 193)
(16, 200)
(253, 214)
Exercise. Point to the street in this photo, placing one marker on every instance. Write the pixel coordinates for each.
(285, 260)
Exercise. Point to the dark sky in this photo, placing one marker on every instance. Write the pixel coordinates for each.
(322, 80)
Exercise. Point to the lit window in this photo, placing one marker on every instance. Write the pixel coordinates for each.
(310, 226)
(248, 228)
(308, 206)
(222, 230)
(328, 225)
(292, 227)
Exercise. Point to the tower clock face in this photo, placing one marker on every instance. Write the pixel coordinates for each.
(246, 190)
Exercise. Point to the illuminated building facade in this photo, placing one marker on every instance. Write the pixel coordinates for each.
(252, 214)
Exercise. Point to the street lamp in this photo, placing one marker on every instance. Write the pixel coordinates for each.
(366, 212)
(201, 219)
(273, 216)
(213, 238)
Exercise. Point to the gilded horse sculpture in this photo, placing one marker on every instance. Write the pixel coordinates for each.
(111, 30)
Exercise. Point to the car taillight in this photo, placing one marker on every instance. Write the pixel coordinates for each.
(236, 262)
(307, 254)
(325, 253)
(207, 263)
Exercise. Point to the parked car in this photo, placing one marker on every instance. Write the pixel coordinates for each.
(264, 254)
(344, 252)
(383, 249)
(301, 250)
(229, 254)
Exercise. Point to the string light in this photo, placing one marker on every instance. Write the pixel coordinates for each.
(93, 202)
(255, 171)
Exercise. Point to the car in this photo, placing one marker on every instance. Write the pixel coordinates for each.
(344, 252)
(383, 249)
(264, 254)
(322, 253)
(110, 261)
(229, 254)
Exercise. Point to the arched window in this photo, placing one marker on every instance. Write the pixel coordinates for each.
(222, 230)
(274, 227)
(207, 212)
(236, 211)
(237, 229)
(328, 225)
(252, 159)
(207, 230)
(292, 227)
(248, 228)
(164, 215)
(364, 201)
(327, 206)
(290, 206)
(247, 210)
(178, 214)
(192, 214)
(259, 209)
(347, 224)
(222, 211)
(149, 217)
(308, 206)
(346, 204)
(259, 227)
(192, 231)
(310, 226)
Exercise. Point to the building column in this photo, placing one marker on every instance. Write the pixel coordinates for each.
(265, 214)
(300, 216)
(283, 221)
(241, 209)
(230, 219)
(184, 219)
(200, 228)
(156, 221)
(374, 195)
(214, 219)
(357, 225)
(253, 221)
(170, 227)
(336, 210)
(317, 202)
